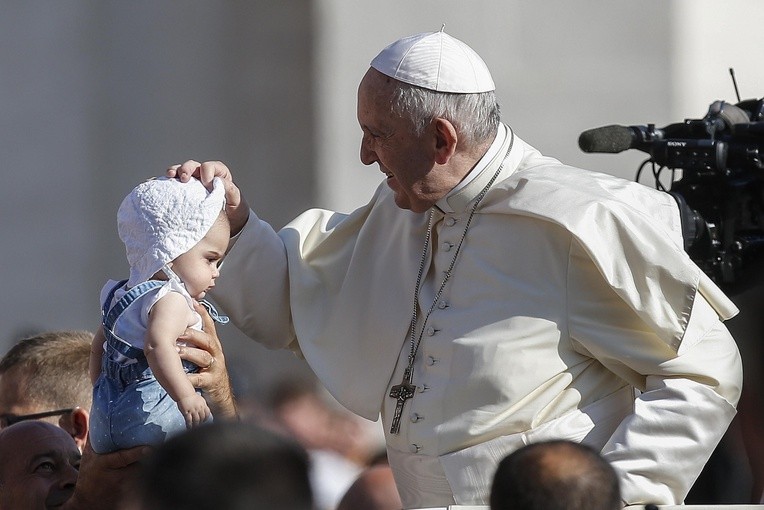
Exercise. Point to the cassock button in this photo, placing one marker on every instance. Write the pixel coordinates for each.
(447, 246)
(414, 448)
(442, 305)
(450, 222)
(423, 387)
(431, 361)
(430, 331)
(415, 417)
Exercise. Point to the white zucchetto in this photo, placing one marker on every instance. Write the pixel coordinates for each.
(163, 218)
(435, 61)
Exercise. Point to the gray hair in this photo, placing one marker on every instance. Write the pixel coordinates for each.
(476, 117)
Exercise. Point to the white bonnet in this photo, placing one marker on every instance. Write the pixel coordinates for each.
(163, 218)
(435, 61)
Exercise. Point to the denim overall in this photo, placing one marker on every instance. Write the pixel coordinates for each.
(130, 407)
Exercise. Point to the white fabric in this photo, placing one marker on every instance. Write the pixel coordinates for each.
(131, 325)
(162, 218)
(435, 61)
(491, 154)
(571, 290)
(331, 475)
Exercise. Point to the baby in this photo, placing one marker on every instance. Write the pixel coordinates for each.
(175, 235)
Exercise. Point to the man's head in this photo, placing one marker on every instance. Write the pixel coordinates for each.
(428, 112)
(39, 465)
(226, 466)
(374, 489)
(48, 372)
(555, 475)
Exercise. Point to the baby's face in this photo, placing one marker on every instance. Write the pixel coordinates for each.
(198, 267)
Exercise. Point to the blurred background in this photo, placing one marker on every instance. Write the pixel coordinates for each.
(97, 96)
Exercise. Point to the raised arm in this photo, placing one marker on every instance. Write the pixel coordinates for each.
(253, 287)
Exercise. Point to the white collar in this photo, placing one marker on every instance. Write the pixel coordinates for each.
(494, 149)
(482, 164)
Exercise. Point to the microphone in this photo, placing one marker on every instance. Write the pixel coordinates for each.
(610, 139)
(721, 118)
(614, 139)
(682, 145)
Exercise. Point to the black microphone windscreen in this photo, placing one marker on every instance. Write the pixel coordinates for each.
(610, 139)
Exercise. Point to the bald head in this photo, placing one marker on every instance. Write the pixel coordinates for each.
(374, 489)
(38, 466)
(555, 475)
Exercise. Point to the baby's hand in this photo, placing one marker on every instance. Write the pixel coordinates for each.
(194, 409)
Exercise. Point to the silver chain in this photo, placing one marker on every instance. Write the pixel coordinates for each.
(414, 340)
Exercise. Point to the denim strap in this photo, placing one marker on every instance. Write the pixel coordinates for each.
(109, 316)
(125, 301)
(216, 316)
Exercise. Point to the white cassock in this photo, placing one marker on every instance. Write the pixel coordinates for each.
(572, 312)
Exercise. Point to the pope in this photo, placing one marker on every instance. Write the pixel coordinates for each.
(487, 296)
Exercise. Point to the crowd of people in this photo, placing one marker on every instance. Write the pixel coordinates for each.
(243, 463)
(532, 335)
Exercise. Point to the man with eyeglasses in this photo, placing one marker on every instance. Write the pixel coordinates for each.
(45, 377)
(8, 419)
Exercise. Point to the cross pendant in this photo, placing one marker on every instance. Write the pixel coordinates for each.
(401, 392)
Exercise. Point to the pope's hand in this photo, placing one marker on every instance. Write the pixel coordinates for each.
(236, 207)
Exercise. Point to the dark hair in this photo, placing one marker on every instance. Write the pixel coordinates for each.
(555, 475)
(226, 466)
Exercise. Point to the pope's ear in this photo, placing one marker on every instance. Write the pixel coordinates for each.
(77, 424)
(445, 140)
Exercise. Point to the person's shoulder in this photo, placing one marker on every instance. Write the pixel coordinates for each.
(107, 288)
(549, 174)
(171, 306)
(170, 290)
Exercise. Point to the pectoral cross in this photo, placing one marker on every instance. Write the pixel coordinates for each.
(401, 392)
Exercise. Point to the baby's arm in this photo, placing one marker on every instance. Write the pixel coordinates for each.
(168, 319)
(96, 354)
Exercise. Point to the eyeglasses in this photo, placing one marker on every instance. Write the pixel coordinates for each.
(8, 419)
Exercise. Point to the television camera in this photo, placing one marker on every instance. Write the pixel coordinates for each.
(717, 179)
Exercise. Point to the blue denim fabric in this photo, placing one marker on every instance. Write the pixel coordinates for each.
(130, 407)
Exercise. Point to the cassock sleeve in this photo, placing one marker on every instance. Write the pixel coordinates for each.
(253, 286)
(688, 394)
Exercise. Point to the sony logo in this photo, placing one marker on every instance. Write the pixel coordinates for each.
(676, 144)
